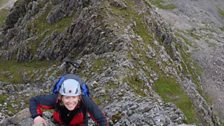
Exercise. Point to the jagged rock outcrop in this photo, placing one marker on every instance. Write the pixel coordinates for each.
(126, 52)
(18, 11)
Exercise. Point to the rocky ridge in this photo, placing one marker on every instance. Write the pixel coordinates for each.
(124, 48)
(200, 23)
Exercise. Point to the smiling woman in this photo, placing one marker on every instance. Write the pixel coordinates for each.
(70, 106)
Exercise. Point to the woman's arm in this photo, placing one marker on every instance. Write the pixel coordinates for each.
(94, 111)
(41, 101)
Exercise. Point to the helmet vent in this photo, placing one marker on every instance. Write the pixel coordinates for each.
(76, 91)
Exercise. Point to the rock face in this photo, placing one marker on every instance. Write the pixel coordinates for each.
(201, 23)
(138, 70)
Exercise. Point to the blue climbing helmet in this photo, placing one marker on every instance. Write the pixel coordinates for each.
(70, 85)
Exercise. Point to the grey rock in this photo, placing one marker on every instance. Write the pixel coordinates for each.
(119, 59)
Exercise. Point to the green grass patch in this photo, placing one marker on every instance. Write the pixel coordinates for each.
(2, 2)
(3, 98)
(178, 35)
(170, 91)
(136, 84)
(141, 26)
(3, 15)
(150, 62)
(192, 68)
(12, 71)
(221, 12)
(42, 25)
(11, 110)
(222, 29)
(97, 100)
(141, 29)
(161, 4)
(193, 34)
(111, 85)
(122, 16)
(98, 64)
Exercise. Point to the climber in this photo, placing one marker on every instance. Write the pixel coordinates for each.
(70, 106)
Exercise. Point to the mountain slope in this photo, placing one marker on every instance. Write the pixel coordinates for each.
(200, 24)
(137, 70)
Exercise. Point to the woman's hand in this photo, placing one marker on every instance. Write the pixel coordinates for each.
(39, 121)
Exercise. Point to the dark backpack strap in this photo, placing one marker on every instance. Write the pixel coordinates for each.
(84, 111)
(85, 89)
(58, 85)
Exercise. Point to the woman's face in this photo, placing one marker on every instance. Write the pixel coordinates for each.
(70, 102)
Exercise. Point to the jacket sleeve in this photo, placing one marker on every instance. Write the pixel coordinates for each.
(41, 101)
(94, 111)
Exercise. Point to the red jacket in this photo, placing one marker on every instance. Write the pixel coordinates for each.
(65, 117)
